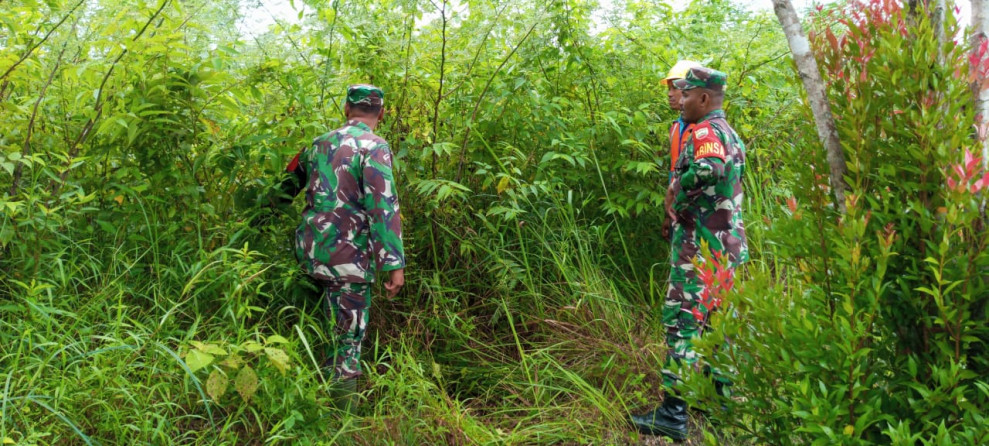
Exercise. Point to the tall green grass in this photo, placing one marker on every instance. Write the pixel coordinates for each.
(536, 348)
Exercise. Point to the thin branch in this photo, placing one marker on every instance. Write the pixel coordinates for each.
(399, 109)
(439, 90)
(34, 115)
(480, 99)
(290, 39)
(43, 39)
(98, 107)
(477, 54)
(190, 16)
(326, 67)
(752, 68)
(590, 69)
(636, 42)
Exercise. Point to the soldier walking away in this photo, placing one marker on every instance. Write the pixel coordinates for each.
(705, 205)
(350, 227)
(680, 128)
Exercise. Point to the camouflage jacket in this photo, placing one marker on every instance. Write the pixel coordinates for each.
(351, 213)
(707, 186)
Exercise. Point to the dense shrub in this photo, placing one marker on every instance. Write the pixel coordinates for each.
(878, 331)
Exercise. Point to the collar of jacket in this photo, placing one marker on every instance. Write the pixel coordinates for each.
(359, 124)
(716, 113)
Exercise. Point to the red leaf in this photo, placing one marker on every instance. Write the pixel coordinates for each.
(832, 39)
(981, 183)
(971, 162)
(959, 170)
(697, 314)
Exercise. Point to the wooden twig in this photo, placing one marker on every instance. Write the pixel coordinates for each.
(98, 107)
(439, 90)
(480, 99)
(43, 39)
(34, 116)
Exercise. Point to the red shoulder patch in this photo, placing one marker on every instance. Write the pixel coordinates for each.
(707, 144)
(294, 164)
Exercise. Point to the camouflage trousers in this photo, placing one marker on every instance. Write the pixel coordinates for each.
(347, 306)
(685, 315)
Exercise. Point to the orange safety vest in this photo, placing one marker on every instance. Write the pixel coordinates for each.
(677, 143)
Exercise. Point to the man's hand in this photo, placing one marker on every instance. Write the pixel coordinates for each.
(396, 278)
(671, 216)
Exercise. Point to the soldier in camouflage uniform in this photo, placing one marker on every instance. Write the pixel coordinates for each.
(350, 224)
(706, 209)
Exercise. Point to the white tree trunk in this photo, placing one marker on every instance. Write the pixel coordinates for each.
(816, 94)
(936, 11)
(980, 32)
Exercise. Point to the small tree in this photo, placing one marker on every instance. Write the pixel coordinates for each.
(816, 94)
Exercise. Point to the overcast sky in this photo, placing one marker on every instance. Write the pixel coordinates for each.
(262, 14)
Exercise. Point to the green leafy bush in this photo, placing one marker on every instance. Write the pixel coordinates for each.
(878, 328)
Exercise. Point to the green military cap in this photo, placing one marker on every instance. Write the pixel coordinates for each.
(365, 94)
(702, 77)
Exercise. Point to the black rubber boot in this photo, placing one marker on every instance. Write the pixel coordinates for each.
(669, 419)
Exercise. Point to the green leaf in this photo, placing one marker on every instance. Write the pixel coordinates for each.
(252, 346)
(246, 383)
(212, 349)
(106, 226)
(216, 384)
(279, 359)
(196, 359)
(275, 339)
(232, 362)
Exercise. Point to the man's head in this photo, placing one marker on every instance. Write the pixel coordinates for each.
(678, 71)
(702, 91)
(364, 101)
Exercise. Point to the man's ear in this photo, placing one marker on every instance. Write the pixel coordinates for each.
(346, 109)
(381, 113)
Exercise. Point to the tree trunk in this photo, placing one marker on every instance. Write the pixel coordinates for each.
(937, 13)
(816, 95)
(980, 33)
